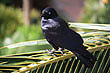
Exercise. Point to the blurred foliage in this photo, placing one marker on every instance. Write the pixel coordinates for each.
(12, 27)
(35, 16)
(6, 1)
(26, 33)
(10, 18)
(95, 11)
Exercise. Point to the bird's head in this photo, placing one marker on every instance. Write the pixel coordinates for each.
(49, 13)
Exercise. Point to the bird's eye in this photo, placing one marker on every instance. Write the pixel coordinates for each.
(49, 13)
(46, 11)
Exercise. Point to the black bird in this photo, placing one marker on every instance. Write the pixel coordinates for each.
(59, 35)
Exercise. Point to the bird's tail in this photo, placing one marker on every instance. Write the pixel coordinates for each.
(85, 57)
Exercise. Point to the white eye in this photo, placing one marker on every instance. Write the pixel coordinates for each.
(49, 13)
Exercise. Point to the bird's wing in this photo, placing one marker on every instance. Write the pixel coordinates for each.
(70, 40)
(74, 44)
(76, 36)
(67, 37)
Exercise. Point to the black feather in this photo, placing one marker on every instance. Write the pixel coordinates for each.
(59, 35)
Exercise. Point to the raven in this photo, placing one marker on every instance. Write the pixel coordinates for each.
(59, 35)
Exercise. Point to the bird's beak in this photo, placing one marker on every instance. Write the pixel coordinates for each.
(44, 15)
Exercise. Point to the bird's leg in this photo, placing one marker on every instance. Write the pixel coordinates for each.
(61, 50)
(54, 46)
(51, 51)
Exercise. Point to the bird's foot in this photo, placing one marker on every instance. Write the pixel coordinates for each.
(61, 50)
(55, 52)
(51, 51)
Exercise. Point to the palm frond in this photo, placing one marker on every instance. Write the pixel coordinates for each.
(29, 43)
(98, 44)
(104, 27)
